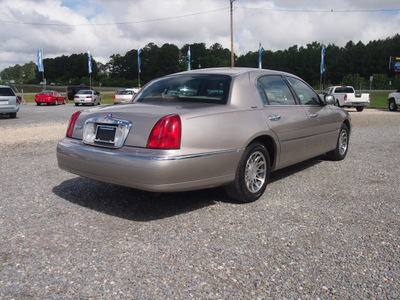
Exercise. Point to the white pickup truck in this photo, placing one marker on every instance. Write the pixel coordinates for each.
(394, 100)
(346, 96)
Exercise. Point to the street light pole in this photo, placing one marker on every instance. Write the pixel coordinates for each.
(232, 52)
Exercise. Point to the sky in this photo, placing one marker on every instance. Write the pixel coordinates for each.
(105, 27)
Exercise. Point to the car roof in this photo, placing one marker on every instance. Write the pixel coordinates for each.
(236, 71)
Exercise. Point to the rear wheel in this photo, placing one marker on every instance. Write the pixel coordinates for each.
(392, 105)
(13, 115)
(360, 108)
(342, 145)
(37, 103)
(252, 174)
(76, 104)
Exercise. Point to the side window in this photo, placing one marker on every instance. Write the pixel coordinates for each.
(274, 91)
(306, 95)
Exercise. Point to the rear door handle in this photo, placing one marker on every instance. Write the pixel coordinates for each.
(275, 117)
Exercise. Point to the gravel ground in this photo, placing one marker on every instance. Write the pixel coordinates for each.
(323, 229)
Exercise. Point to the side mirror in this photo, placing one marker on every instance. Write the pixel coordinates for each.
(329, 99)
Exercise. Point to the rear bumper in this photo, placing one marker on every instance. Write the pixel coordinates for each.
(354, 104)
(147, 169)
(9, 109)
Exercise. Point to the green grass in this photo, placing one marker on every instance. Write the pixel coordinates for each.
(379, 99)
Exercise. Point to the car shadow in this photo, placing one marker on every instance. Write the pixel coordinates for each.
(132, 204)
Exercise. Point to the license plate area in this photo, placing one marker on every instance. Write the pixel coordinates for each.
(106, 132)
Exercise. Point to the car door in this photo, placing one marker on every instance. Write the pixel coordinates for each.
(321, 125)
(285, 117)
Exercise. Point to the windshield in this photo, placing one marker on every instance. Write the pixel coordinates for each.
(191, 88)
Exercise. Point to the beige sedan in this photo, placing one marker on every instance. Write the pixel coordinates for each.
(199, 129)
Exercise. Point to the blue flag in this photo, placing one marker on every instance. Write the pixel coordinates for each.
(89, 62)
(261, 49)
(40, 60)
(188, 57)
(138, 59)
(323, 59)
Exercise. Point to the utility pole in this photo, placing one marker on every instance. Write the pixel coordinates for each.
(232, 52)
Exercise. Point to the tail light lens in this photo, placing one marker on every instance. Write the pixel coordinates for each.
(72, 122)
(166, 134)
(18, 102)
(345, 97)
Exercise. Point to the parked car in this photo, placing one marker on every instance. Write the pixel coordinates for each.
(205, 128)
(125, 96)
(87, 97)
(73, 89)
(49, 97)
(9, 101)
(394, 100)
(346, 96)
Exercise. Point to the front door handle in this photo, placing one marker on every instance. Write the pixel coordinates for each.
(313, 115)
(275, 117)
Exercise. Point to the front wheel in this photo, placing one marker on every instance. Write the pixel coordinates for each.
(342, 145)
(392, 105)
(252, 174)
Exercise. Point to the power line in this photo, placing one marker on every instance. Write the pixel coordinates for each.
(114, 23)
(321, 10)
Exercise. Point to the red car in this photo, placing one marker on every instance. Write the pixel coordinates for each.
(52, 97)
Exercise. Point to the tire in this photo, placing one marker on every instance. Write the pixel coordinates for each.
(55, 102)
(252, 174)
(13, 115)
(360, 108)
(37, 103)
(392, 105)
(76, 104)
(342, 145)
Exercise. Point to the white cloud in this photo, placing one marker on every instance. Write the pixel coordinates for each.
(114, 27)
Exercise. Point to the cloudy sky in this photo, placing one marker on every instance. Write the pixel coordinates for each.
(105, 27)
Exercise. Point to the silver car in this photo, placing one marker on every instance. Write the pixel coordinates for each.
(9, 102)
(87, 97)
(125, 96)
(205, 128)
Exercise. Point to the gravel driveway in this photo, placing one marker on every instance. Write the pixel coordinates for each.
(322, 229)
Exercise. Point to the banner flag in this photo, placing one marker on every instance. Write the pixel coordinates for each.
(188, 57)
(322, 59)
(138, 58)
(40, 60)
(89, 62)
(260, 50)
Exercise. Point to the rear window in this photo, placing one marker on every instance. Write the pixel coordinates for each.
(124, 92)
(85, 92)
(197, 88)
(344, 90)
(4, 91)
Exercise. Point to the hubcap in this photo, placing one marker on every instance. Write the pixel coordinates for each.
(343, 142)
(256, 170)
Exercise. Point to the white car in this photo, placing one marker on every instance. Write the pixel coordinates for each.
(125, 96)
(9, 102)
(87, 97)
(394, 100)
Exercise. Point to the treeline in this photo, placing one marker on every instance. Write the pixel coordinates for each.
(353, 64)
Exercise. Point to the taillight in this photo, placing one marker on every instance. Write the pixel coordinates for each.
(166, 134)
(89, 96)
(76, 96)
(72, 122)
(18, 100)
(114, 97)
